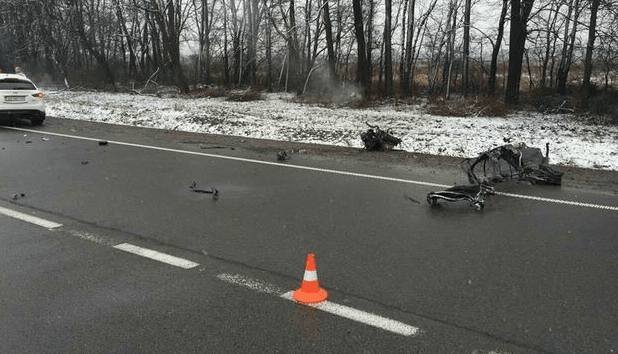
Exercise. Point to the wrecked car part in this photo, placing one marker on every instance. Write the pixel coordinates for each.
(512, 161)
(283, 155)
(18, 196)
(475, 194)
(376, 139)
(213, 191)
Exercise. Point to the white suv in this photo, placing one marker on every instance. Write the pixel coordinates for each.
(19, 97)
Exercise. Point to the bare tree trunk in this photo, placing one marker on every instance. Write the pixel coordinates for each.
(253, 17)
(450, 31)
(269, 59)
(388, 56)
(493, 69)
(466, 48)
(203, 23)
(362, 70)
(567, 50)
(550, 45)
(329, 41)
(520, 11)
(594, 8)
(409, 49)
(369, 43)
(226, 60)
(294, 63)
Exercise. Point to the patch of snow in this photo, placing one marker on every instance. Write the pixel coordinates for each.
(572, 142)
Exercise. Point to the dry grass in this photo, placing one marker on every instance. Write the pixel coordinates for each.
(469, 107)
(326, 101)
(245, 96)
(207, 92)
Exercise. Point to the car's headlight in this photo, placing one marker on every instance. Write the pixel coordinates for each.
(38, 95)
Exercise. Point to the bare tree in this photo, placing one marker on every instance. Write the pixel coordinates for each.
(89, 40)
(551, 36)
(363, 67)
(409, 48)
(170, 17)
(133, 71)
(203, 23)
(328, 27)
(451, 28)
(388, 56)
(594, 8)
(569, 44)
(493, 69)
(520, 12)
(466, 47)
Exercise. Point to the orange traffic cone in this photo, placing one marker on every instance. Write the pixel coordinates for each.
(310, 291)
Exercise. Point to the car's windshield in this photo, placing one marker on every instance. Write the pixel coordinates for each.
(16, 85)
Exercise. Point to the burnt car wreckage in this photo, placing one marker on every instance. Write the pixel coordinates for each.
(499, 164)
(506, 162)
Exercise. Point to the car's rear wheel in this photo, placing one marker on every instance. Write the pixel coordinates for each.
(37, 119)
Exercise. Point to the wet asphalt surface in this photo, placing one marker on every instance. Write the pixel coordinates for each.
(522, 276)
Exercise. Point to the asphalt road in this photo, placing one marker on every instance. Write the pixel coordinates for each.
(523, 276)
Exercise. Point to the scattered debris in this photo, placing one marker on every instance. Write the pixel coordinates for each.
(103, 142)
(213, 191)
(475, 194)
(18, 196)
(283, 155)
(376, 139)
(85, 162)
(412, 199)
(204, 147)
(44, 139)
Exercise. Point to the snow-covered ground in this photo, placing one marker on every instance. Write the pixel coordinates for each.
(572, 141)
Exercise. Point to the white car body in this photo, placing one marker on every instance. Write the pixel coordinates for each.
(20, 98)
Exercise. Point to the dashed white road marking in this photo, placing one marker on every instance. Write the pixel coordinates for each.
(350, 313)
(157, 256)
(29, 218)
(361, 316)
(316, 169)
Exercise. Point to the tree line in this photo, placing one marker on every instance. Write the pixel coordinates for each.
(390, 47)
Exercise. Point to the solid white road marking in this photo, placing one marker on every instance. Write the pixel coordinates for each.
(326, 306)
(307, 168)
(29, 218)
(559, 201)
(157, 256)
(241, 159)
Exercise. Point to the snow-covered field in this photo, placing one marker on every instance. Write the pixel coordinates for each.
(572, 141)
